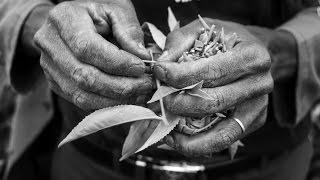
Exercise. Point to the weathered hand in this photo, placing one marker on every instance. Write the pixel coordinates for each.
(85, 68)
(238, 78)
(230, 78)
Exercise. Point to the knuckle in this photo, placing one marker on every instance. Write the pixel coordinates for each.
(217, 103)
(81, 45)
(126, 90)
(84, 76)
(55, 13)
(256, 55)
(214, 72)
(79, 99)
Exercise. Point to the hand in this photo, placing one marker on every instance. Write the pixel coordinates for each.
(239, 78)
(85, 68)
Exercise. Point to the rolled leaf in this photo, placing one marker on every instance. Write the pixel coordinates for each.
(108, 117)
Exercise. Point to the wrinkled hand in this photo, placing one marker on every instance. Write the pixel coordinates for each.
(81, 65)
(238, 78)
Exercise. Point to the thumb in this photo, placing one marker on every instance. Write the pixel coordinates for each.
(126, 28)
(179, 41)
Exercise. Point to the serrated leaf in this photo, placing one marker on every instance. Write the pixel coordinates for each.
(172, 21)
(199, 93)
(108, 117)
(139, 133)
(233, 148)
(157, 134)
(157, 35)
(162, 92)
(162, 130)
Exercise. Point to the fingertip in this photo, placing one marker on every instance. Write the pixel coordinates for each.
(142, 51)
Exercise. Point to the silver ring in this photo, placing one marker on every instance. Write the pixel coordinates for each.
(240, 124)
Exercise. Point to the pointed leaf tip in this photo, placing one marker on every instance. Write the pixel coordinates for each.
(172, 21)
(157, 35)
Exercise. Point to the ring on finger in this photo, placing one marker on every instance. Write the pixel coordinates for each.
(240, 124)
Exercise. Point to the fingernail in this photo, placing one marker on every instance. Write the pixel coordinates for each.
(160, 72)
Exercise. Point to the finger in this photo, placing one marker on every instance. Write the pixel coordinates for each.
(77, 30)
(90, 78)
(68, 90)
(252, 114)
(180, 40)
(127, 29)
(245, 59)
(223, 97)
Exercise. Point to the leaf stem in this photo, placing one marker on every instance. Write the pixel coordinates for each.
(147, 61)
(163, 113)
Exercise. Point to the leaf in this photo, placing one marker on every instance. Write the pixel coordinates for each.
(198, 44)
(162, 130)
(221, 115)
(108, 117)
(158, 133)
(139, 133)
(199, 93)
(194, 86)
(157, 35)
(233, 148)
(162, 92)
(172, 21)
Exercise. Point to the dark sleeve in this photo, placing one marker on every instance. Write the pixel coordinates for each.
(13, 14)
(305, 27)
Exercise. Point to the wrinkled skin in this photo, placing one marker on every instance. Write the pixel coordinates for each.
(85, 68)
(239, 78)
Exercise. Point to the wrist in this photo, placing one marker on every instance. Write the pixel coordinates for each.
(32, 24)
